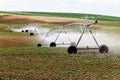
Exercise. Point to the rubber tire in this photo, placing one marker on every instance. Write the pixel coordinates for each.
(22, 31)
(52, 44)
(31, 34)
(72, 49)
(26, 30)
(39, 45)
(103, 49)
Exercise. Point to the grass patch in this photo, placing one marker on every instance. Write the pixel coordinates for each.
(54, 63)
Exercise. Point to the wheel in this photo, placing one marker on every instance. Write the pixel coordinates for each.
(39, 45)
(72, 49)
(26, 30)
(52, 44)
(31, 34)
(22, 30)
(103, 49)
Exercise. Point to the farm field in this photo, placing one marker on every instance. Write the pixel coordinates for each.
(54, 63)
(21, 59)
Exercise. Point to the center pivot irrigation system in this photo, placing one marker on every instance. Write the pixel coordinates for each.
(73, 48)
(32, 28)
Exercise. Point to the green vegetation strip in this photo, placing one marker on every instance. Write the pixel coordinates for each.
(33, 63)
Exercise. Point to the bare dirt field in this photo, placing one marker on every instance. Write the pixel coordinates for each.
(25, 19)
(14, 40)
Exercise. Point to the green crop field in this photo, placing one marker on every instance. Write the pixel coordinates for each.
(21, 60)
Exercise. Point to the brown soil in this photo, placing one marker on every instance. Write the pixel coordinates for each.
(13, 40)
(25, 19)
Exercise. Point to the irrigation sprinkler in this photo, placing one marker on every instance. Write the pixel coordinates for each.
(86, 26)
(83, 28)
(63, 30)
(32, 28)
(36, 28)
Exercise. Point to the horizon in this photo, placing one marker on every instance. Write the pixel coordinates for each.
(64, 12)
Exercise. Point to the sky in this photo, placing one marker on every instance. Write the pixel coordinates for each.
(103, 7)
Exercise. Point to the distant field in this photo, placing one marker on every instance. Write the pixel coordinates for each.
(50, 18)
(16, 18)
(69, 15)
